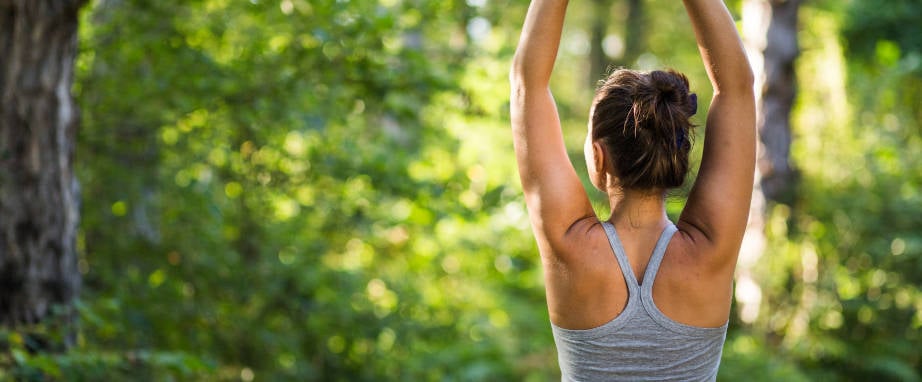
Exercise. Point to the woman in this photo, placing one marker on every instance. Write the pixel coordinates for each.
(637, 297)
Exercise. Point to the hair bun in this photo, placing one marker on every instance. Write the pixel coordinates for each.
(643, 120)
(671, 86)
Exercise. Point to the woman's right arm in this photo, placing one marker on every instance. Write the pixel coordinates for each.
(555, 198)
(718, 205)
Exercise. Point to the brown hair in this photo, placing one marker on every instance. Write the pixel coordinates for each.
(643, 122)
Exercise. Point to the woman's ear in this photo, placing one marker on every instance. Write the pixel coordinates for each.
(598, 157)
(598, 172)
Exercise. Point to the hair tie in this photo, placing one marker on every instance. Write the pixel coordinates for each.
(692, 104)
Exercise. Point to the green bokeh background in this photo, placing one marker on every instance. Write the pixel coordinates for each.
(320, 190)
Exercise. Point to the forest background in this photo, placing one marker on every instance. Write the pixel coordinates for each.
(325, 190)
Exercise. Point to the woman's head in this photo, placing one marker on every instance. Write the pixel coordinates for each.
(640, 125)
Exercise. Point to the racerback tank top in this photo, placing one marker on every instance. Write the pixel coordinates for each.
(641, 343)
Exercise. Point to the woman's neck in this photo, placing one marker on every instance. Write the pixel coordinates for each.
(637, 210)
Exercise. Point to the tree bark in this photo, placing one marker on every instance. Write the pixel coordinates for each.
(39, 206)
(634, 34)
(634, 37)
(778, 91)
(598, 63)
(770, 32)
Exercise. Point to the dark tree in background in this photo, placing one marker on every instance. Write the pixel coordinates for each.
(38, 190)
(778, 92)
(770, 31)
(633, 34)
(597, 60)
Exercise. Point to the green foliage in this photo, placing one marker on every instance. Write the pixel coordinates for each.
(296, 190)
(894, 23)
(748, 358)
(325, 190)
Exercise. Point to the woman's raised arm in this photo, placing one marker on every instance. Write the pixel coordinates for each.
(554, 195)
(718, 205)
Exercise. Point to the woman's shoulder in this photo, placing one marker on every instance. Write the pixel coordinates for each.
(585, 242)
(704, 246)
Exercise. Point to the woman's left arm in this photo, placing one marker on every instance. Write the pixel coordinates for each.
(555, 197)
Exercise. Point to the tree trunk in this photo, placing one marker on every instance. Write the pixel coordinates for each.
(38, 190)
(598, 63)
(770, 31)
(634, 34)
(779, 52)
(634, 37)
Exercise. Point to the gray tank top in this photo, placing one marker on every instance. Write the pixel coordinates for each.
(640, 344)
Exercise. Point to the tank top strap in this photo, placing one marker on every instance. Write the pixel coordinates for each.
(621, 256)
(657, 257)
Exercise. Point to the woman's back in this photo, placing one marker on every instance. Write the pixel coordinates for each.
(640, 342)
(586, 287)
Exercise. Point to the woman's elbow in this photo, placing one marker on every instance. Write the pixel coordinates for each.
(747, 79)
(744, 80)
(518, 72)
